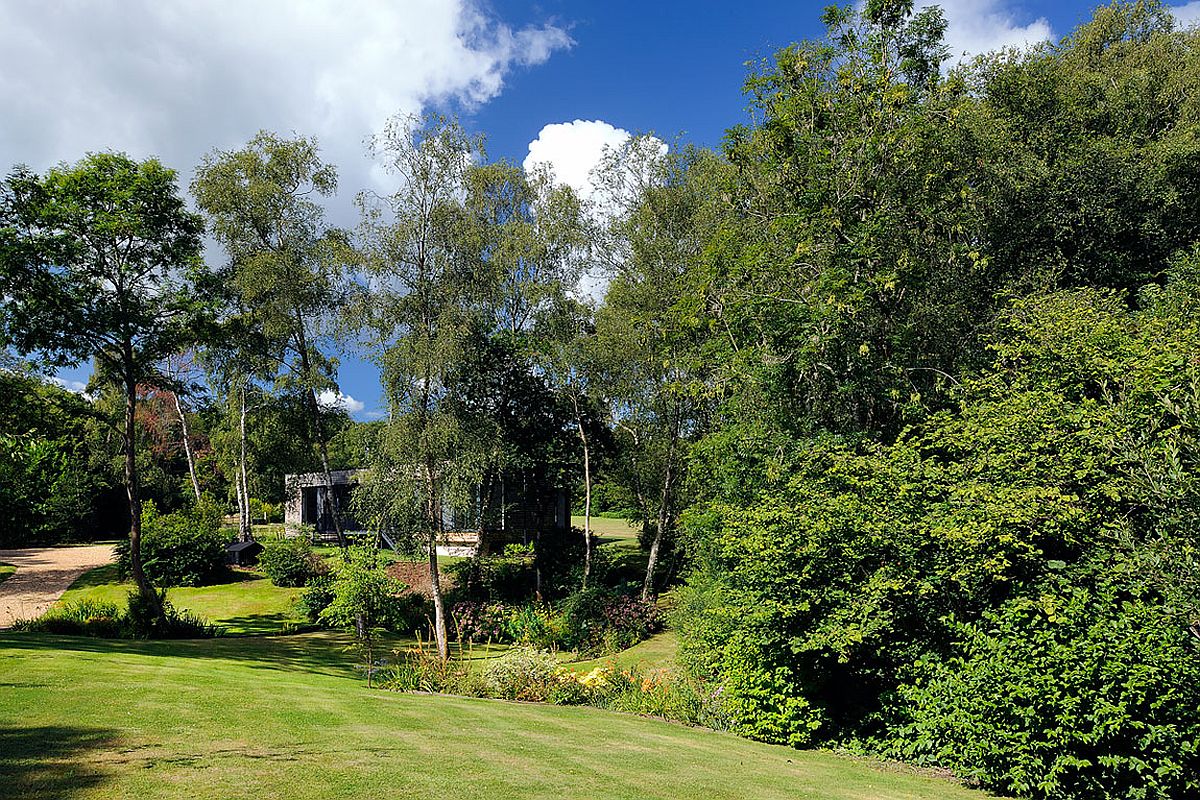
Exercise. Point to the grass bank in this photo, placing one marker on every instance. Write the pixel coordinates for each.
(245, 603)
(285, 717)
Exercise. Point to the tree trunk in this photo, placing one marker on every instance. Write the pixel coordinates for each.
(664, 519)
(314, 410)
(187, 446)
(434, 522)
(133, 491)
(245, 529)
(587, 494)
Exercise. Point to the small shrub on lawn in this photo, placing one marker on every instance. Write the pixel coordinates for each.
(183, 548)
(290, 562)
(523, 673)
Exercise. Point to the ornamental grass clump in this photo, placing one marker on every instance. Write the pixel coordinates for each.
(140, 619)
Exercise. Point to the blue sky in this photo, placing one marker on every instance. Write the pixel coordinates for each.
(209, 74)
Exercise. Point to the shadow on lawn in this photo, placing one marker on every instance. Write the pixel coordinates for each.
(50, 762)
(322, 652)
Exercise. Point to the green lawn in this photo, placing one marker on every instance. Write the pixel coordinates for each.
(610, 531)
(246, 603)
(5, 571)
(285, 717)
(656, 653)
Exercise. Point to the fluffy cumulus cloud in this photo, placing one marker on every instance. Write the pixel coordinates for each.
(1187, 14)
(978, 26)
(180, 78)
(330, 399)
(573, 150)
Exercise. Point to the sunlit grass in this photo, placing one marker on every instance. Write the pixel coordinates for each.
(288, 717)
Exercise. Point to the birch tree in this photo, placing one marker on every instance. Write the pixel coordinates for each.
(285, 263)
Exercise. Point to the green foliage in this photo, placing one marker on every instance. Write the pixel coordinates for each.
(77, 618)
(140, 619)
(856, 572)
(590, 621)
(262, 511)
(600, 620)
(1079, 693)
(363, 599)
(363, 596)
(47, 492)
(316, 597)
(290, 561)
(159, 619)
(183, 548)
(523, 673)
(504, 576)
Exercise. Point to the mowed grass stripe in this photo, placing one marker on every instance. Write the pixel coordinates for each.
(284, 717)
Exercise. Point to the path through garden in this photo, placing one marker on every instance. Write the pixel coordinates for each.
(43, 574)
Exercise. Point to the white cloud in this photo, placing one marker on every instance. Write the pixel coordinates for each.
(177, 79)
(979, 26)
(78, 387)
(1187, 14)
(573, 149)
(345, 402)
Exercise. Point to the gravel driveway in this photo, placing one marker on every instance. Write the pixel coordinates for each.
(43, 574)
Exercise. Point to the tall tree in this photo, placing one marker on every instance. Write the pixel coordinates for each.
(565, 344)
(285, 263)
(648, 331)
(427, 287)
(97, 261)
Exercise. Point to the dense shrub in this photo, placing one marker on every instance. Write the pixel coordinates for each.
(183, 548)
(316, 597)
(290, 561)
(480, 622)
(1075, 694)
(1005, 591)
(593, 621)
(600, 620)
